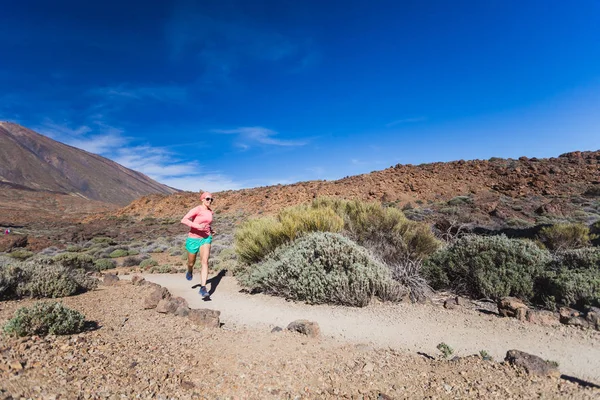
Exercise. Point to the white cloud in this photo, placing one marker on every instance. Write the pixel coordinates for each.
(258, 134)
(169, 93)
(405, 121)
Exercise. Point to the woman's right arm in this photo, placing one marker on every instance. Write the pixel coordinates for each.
(187, 219)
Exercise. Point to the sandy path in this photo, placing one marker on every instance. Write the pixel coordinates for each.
(413, 327)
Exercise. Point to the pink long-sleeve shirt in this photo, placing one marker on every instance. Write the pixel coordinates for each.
(199, 220)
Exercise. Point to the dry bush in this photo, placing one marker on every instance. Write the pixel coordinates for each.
(565, 236)
(408, 273)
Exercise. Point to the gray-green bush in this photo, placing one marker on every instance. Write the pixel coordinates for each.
(75, 260)
(323, 267)
(487, 266)
(45, 318)
(105, 263)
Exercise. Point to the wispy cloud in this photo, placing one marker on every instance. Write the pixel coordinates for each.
(405, 121)
(258, 134)
(172, 93)
(159, 163)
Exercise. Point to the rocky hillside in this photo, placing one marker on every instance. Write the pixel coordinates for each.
(491, 191)
(30, 161)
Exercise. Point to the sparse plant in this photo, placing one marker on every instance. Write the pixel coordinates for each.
(485, 356)
(408, 273)
(446, 350)
(45, 318)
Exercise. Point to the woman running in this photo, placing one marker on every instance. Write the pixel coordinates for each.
(199, 220)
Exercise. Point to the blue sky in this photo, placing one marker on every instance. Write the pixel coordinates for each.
(224, 94)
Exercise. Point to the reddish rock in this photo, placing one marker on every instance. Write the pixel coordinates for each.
(110, 279)
(205, 318)
(155, 296)
(305, 327)
(167, 306)
(512, 307)
(137, 280)
(542, 317)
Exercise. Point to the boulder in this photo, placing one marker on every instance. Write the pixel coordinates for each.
(593, 317)
(569, 316)
(512, 307)
(167, 306)
(542, 317)
(305, 327)
(137, 280)
(533, 365)
(110, 280)
(155, 296)
(182, 311)
(450, 303)
(205, 318)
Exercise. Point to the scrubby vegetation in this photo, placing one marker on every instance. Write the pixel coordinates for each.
(385, 230)
(105, 263)
(43, 278)
(487, 267)
(45, 318)
(565, 236)
(323, 268)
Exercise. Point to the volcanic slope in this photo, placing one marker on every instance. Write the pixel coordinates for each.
(495, 190)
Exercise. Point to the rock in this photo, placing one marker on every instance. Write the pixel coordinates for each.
(305, 327)
(167, 306)
(368, 367)
(205, 318)
(156, 295)
(383, 396)
(450, 303)
(16, 365)
(182, 311)
(460, 301)
(542, 317)
(137, 280)
(593, 317)
(533, 365)
(512, 307)
(12, 241)
(569, 316)
(276, 329)
(181, 302)
(110, 279)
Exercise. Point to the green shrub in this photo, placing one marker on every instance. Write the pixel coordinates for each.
(578, 259)
(446, 350)
(20, 254)
(384, 229)
(147, 263)
(74, 248)
(104, 263)
(45, 318)
(565, 236)
(104, 240)
(487, 266)
(131, 261)
(43, 278)
(133, 252)
(118, 253)
(75, 260)
(50, 279)
(460, 200)
(323, 268)
(573, 288)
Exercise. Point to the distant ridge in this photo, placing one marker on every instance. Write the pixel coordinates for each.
(29, 160)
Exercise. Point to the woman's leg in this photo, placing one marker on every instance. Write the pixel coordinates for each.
(191, 261)
(204, 254)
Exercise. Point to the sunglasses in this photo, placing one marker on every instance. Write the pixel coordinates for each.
(208, 199)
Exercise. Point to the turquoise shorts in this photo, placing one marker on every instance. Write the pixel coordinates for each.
(192, 245)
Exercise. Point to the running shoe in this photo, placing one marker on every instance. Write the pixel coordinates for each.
(189, 276)
(203, 292)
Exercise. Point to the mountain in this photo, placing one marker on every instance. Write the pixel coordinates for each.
(35, 162)
(495, 192)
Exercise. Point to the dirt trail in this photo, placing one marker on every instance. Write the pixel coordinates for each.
(413, 327)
